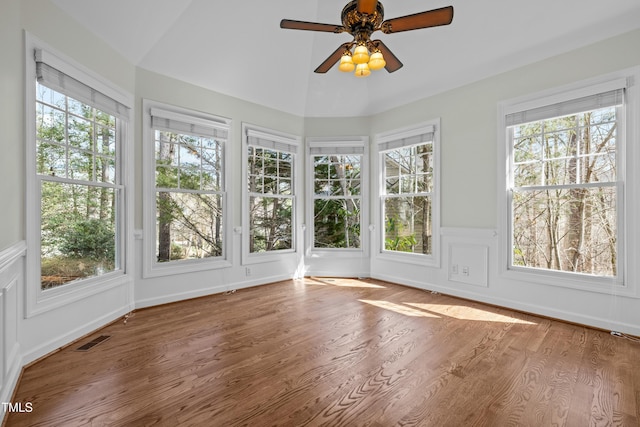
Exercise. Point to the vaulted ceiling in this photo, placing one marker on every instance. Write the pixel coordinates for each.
(237, 47)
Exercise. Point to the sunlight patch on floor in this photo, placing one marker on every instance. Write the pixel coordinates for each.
(398, 308)
(467, 313)
(343, 283)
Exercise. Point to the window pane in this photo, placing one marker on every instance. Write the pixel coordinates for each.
(211, 159)
(409, 170)
(77, 234)
(529, 147)
(577, 149)
(526, 174)
(392, 184)
(270, 224)
(106, 140)
(337, 175)
(336, 211)
(189, 155)
(50, 96)
(408, 224)
(51, 159)
(424, 183)
(212, 180)
(80, 165)
(284, 167)
(568, 230)
(571, 229)
(189, 178)
(270, 171)
(189, 226)
(337, 223)
(76, 142)
(50, 123)
(165, 150)
(408, 179)
(188, 162)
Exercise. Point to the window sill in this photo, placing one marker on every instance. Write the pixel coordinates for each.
(61, 296)
(582, 282)
(183, 267)
(409, 258)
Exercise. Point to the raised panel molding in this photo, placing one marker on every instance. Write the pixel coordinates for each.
(11, 282)
(10, 325)
(469, 264)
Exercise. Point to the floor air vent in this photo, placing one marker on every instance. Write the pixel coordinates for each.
(94, 342)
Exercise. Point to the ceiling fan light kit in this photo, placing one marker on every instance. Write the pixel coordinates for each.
(361, 18)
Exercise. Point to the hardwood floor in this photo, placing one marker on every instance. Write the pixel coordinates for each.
(336, 352)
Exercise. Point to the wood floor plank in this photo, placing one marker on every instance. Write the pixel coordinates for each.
(336, 352)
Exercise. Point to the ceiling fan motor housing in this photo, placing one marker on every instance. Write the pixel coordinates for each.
(361, 25)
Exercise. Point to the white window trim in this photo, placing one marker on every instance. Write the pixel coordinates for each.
(629, 158)
(38, 301)
(337, 142)
(278, 138)
(152, 268)
(434, 259)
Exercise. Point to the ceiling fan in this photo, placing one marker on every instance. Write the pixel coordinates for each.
(361, 18)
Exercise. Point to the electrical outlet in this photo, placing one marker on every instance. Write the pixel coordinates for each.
(465, 270)
(454, 269)
(247, 271)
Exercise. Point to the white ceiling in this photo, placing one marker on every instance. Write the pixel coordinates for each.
(237, 47)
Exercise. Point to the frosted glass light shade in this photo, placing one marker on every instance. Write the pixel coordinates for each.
(346, 64)
(361, 55)
(377, 62)
(362, 70)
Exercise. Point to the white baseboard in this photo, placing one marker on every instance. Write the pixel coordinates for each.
(578, 318)
(180, 296)
(69, 337)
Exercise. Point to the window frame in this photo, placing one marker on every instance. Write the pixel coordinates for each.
(433, 259)
(37, 300)
(286, 143)
(151, 267)
(626, 184)
(338, 146)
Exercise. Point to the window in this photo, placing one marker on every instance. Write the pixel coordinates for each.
(270, 160)
(337, 181)
(79, 134)
(186, 151)
(409, 191)
(567, 199)
(564, 189)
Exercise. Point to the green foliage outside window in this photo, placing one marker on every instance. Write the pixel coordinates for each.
(76, 164)
(189, 204)
(337, 186)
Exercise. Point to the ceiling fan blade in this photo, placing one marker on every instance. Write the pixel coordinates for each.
(367, 6)
(310, 26)
(393, 63)
(430, 18)
(332, 59)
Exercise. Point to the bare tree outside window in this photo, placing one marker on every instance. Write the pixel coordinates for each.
(564, 196)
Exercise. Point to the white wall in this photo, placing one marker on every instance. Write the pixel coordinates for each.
(11, 129)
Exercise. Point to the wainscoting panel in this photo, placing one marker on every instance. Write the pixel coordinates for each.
(10, 325)
(11, 283)
(469, 264)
